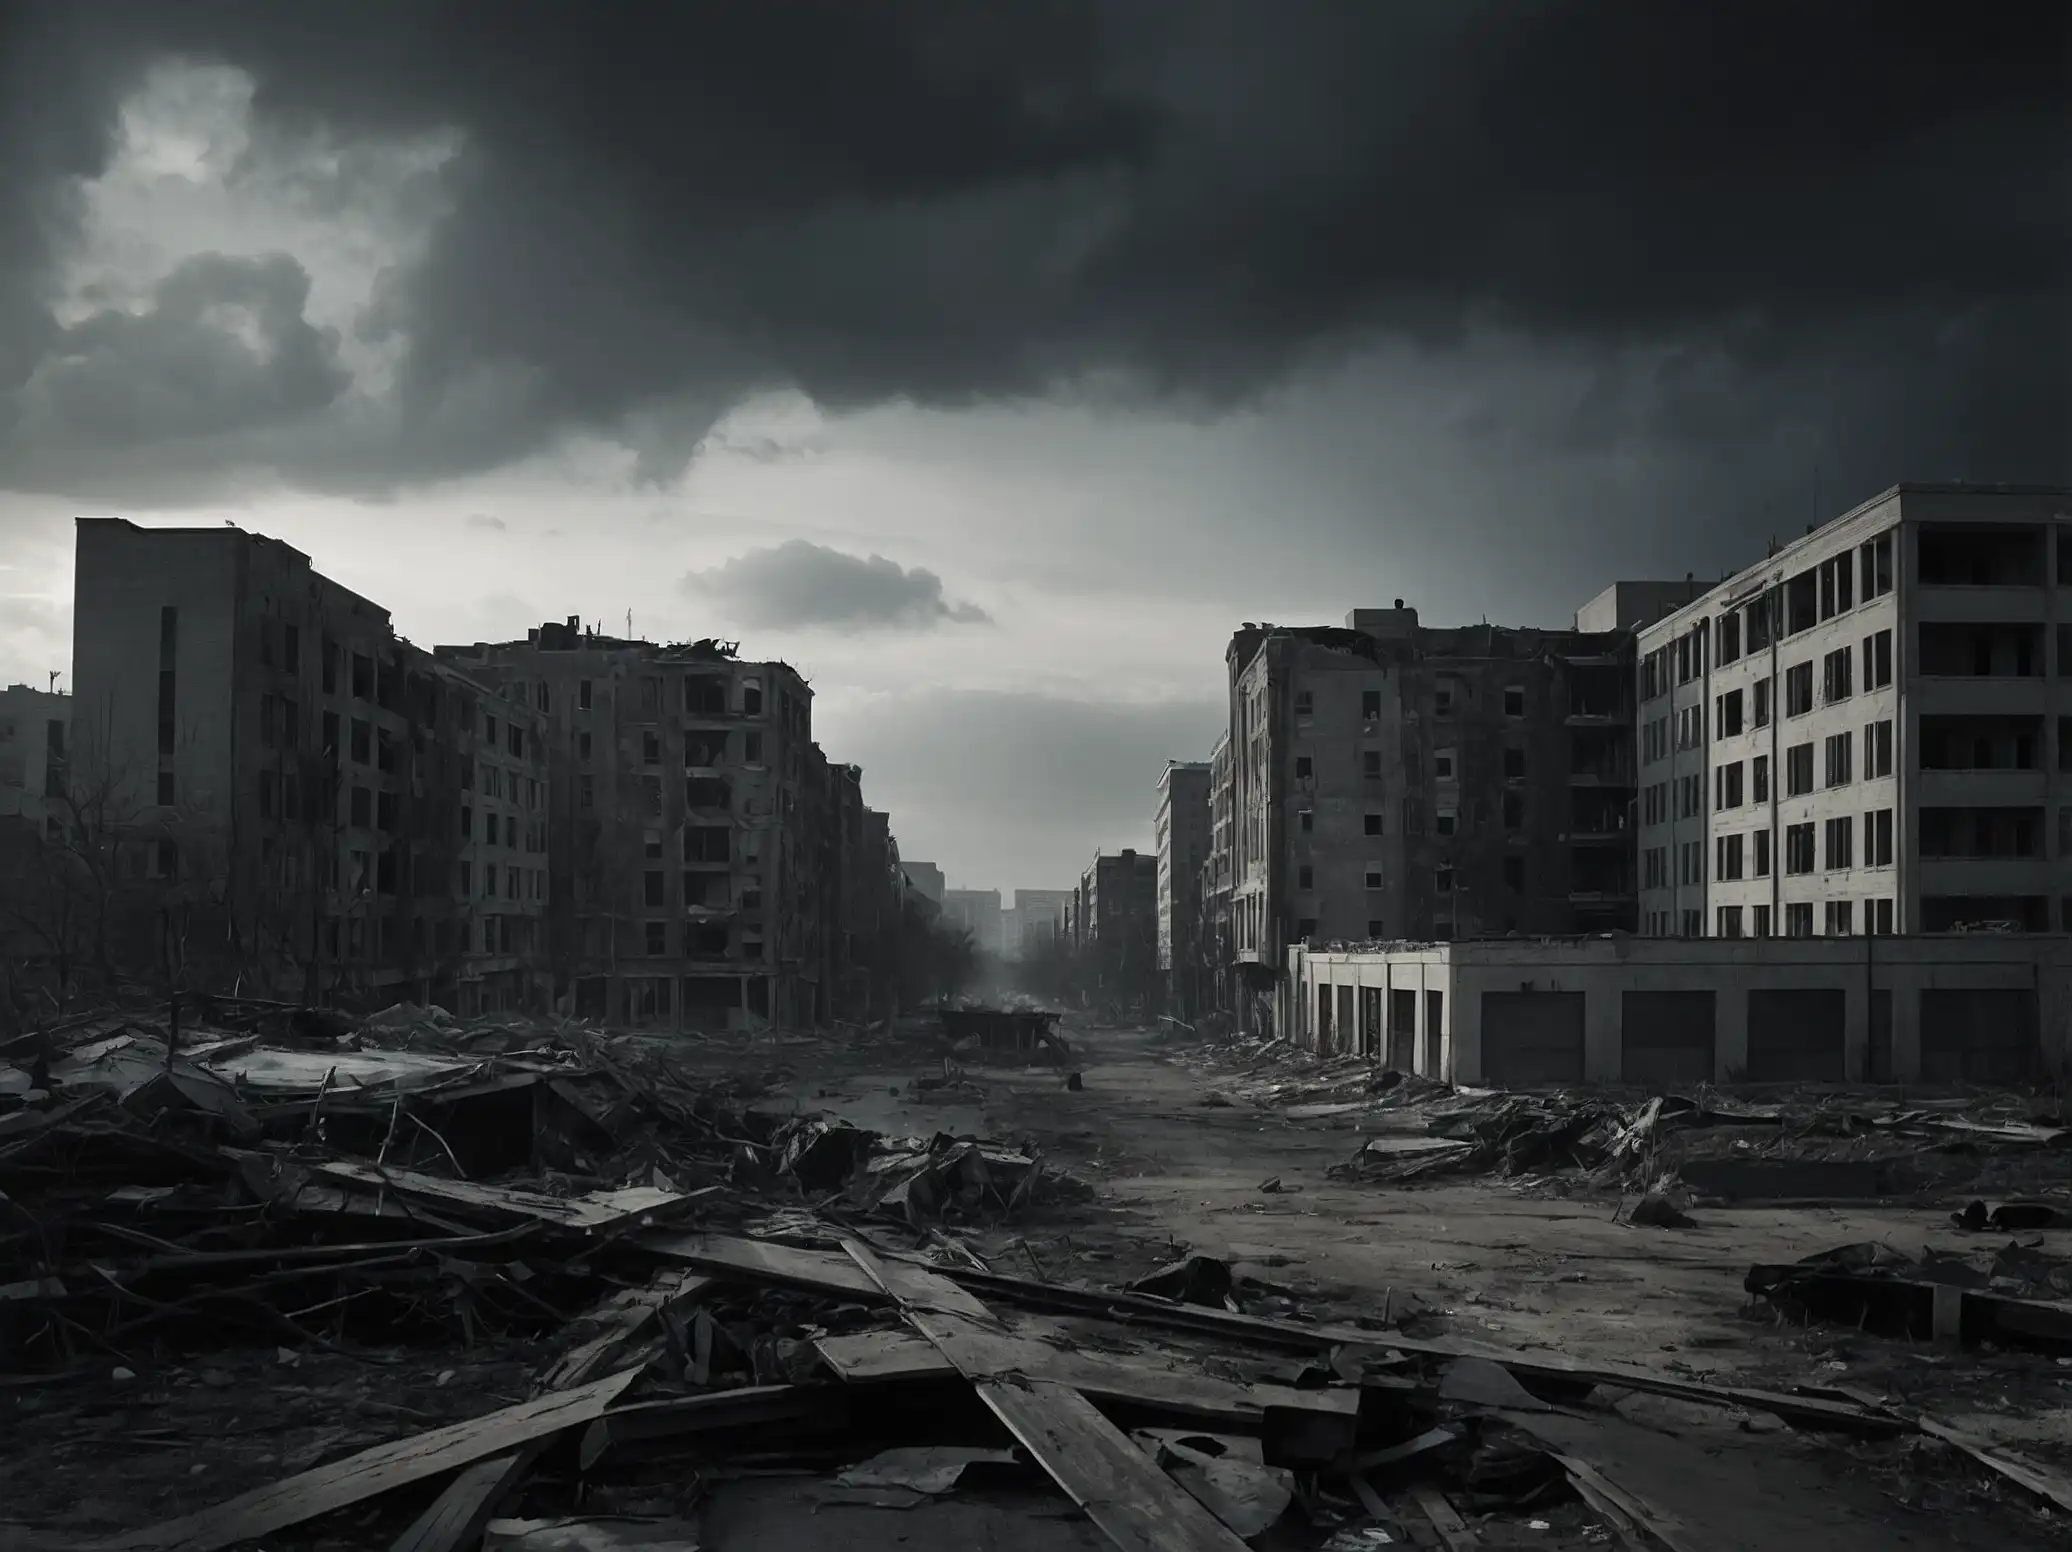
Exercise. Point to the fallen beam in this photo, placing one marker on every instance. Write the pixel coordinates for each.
(827, 1272)
(372, 1472)
(1123, 1491)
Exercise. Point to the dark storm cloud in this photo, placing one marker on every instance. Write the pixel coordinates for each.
(223, 346)
(802, 586)
(660, 209)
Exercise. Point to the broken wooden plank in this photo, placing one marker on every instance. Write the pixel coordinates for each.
(817, 1271)
(2047, 1485)
(598, 1210)
(829, 1272)
(381, 1469)
(874, 1357)
(1135, 1504)
(458, 1516)
(1446, 1520)
(621, 1319)
(740, 1408)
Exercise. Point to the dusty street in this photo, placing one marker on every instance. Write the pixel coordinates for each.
(1176, 1170)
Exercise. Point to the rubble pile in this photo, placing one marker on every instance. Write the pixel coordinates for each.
(664, 1296)
(1816, 1145)
(284, 1171)
(2015, 1296)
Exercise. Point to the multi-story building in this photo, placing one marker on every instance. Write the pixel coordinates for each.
(928, 879)
(1114, 927)
(1181, 829)
(684, 842)
(1214, 949)
(1395, 781)
(273, 765)
(977, 911)
(1036, 920)
(33, 725)
(1868, 732)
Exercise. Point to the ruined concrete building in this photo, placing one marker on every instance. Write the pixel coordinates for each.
(1112, 923)
(1181, 830)
(1392, 780)
(1871, 731)
(978, 912)
(277, 782)
(33, 727)
(709, 867)
(1035, 920)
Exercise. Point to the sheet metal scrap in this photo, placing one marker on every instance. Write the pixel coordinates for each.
(2017, 1296)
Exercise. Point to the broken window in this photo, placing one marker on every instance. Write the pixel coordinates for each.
(1762, 855)
(650, 748)
(704, 695)
(1370, 764)
(1798, 689)
(1798, 769)
(657, 939)
(1442, 765)
(707, 843)
(1305, 820)
(650, 695)
(586, 791)
(1373, 824)
(1370, 705)
(1514, 700)
(1798, 848)
(1514, 875)
(1447, 821)
(1877, 750)
(582, 695)
(707, 792)
(1305, 703)
(1514, 810)
(1837, 675)
(1305, 877)
(1374, 878)
(1839, 751)
(1304, 769)
(1877, 660)
(751, 697)
(1728, 714)
(651, 887)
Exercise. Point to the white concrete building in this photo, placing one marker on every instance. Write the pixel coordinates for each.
(33, 727)
(1984, 1007)
(1868, 732)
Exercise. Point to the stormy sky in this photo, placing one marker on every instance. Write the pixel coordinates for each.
(992, 362)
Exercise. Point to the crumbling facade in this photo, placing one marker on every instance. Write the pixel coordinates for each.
(1181, 830)
(33, 728)
(1389, 779)
(281, 783)
(1871, 731)
(1113, 926)
(708, 866)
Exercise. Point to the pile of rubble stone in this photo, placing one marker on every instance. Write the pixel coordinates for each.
(711, 1294)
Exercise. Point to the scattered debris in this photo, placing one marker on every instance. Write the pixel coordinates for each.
(2016, 1297)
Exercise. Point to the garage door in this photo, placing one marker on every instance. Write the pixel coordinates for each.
(1796, 1036)
(1665, 1038)
(1986, 1035)
(1532, 1038)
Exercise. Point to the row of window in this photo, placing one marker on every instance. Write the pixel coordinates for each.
(1442, 702)
(1815, 595)
(1742, 855)
(1730, 792)
(701, 748)
(1838, 917)
(1738, 711)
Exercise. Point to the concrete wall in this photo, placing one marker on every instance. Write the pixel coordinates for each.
(1920, 892)
(1604, 969)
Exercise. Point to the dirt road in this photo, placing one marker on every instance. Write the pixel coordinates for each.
(1486, 1259)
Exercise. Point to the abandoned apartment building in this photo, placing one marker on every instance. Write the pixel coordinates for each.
(1871, 731)
(707, 865)
(34, 726)
(1386, 779)
(338, 814)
